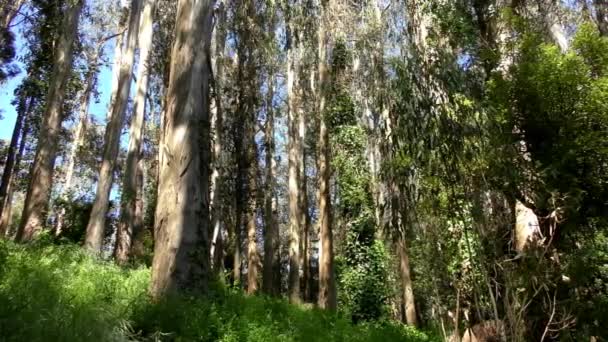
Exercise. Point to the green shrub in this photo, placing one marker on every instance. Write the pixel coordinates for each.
(58, 293)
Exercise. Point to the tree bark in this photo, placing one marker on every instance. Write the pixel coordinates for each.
(253, 257)
(97, 221)
(181, 253)
(7, 206)
(409, 305)
(327, 286)
(304, 221)
(128, 217)
(11, 155)
(272, 266)
(41, 175)
(293, 167)
(217, 178)
(138, 248)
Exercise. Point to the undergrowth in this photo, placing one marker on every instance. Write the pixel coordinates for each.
(58, 293)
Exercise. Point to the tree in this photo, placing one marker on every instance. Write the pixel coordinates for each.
(272, 267)
(217, 177)
(295, 143)
(12, 153)
(96, 225)
(127, 227)
(327, 286)
(181, 252)
(41, 176)
(6, 203)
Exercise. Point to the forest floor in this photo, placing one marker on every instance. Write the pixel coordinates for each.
(58, 293)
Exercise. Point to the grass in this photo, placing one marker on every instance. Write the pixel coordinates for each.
(58, 293)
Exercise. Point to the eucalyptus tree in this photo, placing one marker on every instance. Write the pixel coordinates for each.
(293, 47)
(41, 176)
(97, 221)
(327, 281)
(130, 224)
(95, 28)
(181, 251)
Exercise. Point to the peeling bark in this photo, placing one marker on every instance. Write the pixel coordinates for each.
(181, 253)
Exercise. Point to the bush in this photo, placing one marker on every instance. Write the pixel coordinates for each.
(58, 293)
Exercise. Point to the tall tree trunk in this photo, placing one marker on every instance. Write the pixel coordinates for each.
(7, 205)
(327, 283)
(128, 217)
(302, 177)
(11, 155)
(272, 266)
(217, 178)
(253, 257)
(293, 168)
(181, 253)
(97, 221)
(241, 172)
(41, 175)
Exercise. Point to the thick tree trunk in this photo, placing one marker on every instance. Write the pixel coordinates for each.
(97, 221)
(272, 266)
(7, 205)
(128, 217)
(41, 175)
(181, 253)
(293, 170)
(327, 282)
(11, 154)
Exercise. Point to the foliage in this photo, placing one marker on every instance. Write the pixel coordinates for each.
(363, 287)
(58, 293)
(76, 217)
(363, 262)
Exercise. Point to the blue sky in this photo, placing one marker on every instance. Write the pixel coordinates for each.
(97, 110)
